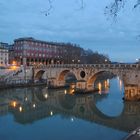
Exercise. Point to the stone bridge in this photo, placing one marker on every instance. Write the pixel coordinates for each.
(86, 75)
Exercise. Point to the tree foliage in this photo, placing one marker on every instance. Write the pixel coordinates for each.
(74, 54)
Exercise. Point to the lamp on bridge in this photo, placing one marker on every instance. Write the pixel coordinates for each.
(78, 61)
(137, 60)
(72, 61)
(105, 60)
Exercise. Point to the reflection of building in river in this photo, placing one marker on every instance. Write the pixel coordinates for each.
(37, 106)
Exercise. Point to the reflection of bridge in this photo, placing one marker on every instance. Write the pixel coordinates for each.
(41, 104)
(87, 74)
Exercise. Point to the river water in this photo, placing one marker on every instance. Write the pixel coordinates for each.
(41, 114)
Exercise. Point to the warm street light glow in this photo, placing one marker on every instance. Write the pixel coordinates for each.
(106, 85)
(14, 104)
(20, 109)
(65, 91)
(100, 87)
(120, 84)
(14, 62)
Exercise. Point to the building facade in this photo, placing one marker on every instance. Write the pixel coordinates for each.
(4, 56)
(11, 54)
(29, 51)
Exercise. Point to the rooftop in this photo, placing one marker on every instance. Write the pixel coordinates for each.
(46, 42)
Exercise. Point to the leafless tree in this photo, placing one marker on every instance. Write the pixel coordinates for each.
(112, 9)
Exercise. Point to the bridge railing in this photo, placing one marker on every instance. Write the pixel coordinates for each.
(103, 66)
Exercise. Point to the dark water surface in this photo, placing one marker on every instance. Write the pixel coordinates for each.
(42, 114)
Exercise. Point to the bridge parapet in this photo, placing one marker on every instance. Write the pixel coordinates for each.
(104, 66)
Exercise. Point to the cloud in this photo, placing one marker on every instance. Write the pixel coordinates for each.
(88, 27)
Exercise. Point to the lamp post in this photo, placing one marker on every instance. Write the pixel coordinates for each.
(78, 61)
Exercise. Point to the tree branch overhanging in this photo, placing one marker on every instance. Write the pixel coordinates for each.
(112, 9)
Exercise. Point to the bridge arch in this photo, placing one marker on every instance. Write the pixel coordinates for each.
(64, 73)
(91, 80)
(67, 101)
(39, 75)
(101, 114)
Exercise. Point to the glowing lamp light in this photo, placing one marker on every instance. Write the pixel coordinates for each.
(46, 96)
(14, 62)
(51, 113)
(14, 104)
(20, 109)
(100, 87)
(65, 91)
(26, 99)
(120, 84)
(72, 119)
(34, 105)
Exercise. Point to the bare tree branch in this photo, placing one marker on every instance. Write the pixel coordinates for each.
(82, 5)
(137, 4)
(112, 10)
(48, 11)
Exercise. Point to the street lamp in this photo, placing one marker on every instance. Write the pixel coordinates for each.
(73, 61)
(14, 63)
(137, 60)
(78, 61)
(105, 60)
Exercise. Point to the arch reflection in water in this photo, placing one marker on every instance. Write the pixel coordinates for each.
(74, 106)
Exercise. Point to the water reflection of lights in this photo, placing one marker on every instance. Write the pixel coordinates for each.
(72, 91)
(108, 81)
(103, 87)
(119, 83)
(20, 109)
(51, 113)
(34, 105)
(105, 83)
(65, 91)
(26, 98)
(14, 104)
(46, 95)
(100, 87)
(72, 119)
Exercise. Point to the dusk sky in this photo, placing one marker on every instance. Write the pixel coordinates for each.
(68, 22)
